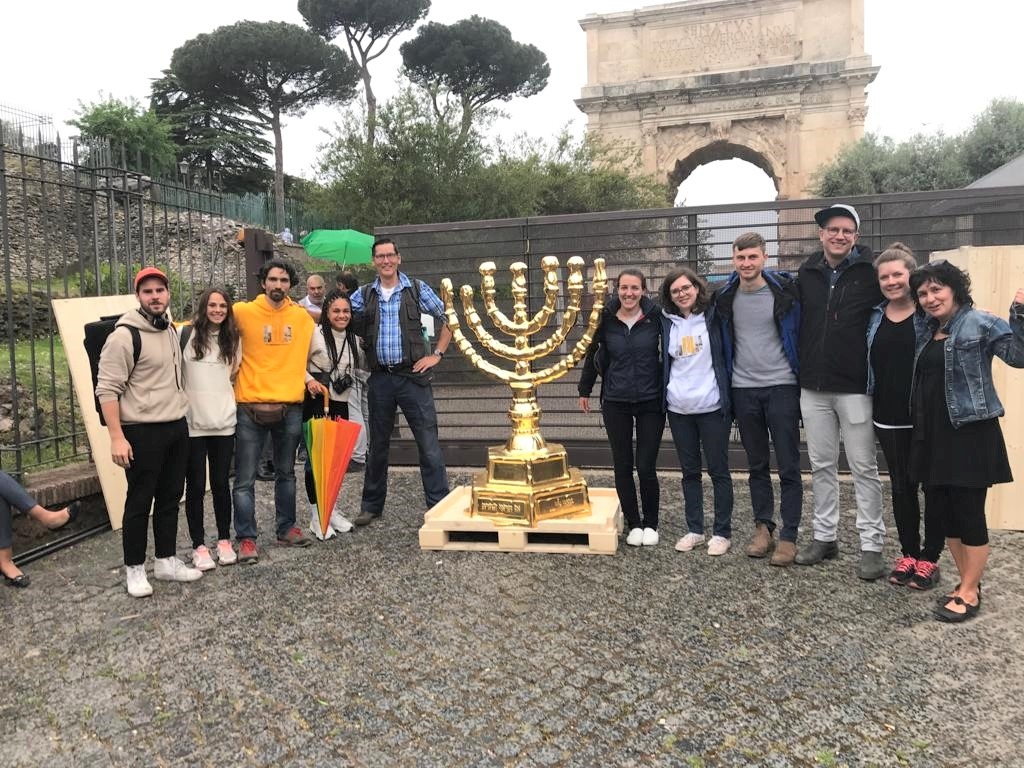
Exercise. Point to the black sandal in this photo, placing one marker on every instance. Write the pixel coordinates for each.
(19, 582)
(942, 613)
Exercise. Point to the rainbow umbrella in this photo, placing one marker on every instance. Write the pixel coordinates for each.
(329, 442)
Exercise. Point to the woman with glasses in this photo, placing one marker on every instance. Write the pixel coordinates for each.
(697, 400)
(626, 353)
(893, 329)
(958, 449)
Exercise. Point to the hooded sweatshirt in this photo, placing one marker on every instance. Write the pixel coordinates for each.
(276, 342)
(211, 396)
(153, 390)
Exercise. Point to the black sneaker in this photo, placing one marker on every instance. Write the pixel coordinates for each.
(903, 571)
(926, 575)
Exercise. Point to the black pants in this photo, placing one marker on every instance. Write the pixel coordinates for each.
(335, 408)
(219, 449)
(959, 511)
(649, 418)
(156, 479)
(906, 507)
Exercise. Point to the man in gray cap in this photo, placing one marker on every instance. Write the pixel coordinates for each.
(838, 288)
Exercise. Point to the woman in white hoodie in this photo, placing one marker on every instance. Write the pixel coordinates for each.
(211, 352)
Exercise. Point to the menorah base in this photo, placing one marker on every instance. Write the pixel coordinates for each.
(518, 489)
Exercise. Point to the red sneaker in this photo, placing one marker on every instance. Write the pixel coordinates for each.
(247, 552)
(903, 571)
(926, 575)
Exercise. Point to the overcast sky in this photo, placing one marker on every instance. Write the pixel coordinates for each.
(941, 62)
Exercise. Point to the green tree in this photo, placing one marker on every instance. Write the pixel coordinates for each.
(265, 70)
(477, 62)
(145, 138)
(230, 148)
(369, 28)
(996, 137)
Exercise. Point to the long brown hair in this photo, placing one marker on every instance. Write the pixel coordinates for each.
(227, 339)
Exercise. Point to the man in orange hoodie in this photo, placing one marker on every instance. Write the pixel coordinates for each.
(275, 333)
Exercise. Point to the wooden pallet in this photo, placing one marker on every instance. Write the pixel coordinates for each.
(449, 526)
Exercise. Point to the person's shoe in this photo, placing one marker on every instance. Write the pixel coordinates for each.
(762, 544)
(948, 615)
(247, 552)
(903, 571)
(784, 554)
(136, 581)
(265, 471)
(294, 537)
(926, 575)
(355, 466)
(340, 523)
(871, 566)
(817, 551)
(365, 518)
(18, 582)
(201, 559)
(689, 541)
(172, 569)
(226, 553)
(718, 545)
(635, 537)
(314, 525)
(650, 538)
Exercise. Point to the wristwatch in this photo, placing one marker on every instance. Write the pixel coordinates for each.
(439, 353)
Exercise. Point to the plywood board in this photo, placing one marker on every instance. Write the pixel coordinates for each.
(72, 315)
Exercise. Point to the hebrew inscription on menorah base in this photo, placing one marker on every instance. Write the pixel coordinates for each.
(527, 480)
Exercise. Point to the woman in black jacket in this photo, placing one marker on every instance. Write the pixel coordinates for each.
(626, 352)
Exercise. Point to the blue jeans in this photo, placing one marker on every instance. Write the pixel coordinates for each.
(12, 496)
(764, 413)
(691, 433)
(249, 438)
(387, 392)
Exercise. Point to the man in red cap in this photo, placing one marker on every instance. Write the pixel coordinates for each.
(143, 403)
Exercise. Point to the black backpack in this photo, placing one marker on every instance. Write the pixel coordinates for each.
(96, 334)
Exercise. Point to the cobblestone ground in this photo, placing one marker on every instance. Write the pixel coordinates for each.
(366, 651)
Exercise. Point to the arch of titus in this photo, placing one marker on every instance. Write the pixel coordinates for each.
(779, 83)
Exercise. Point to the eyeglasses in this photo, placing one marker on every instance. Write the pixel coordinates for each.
(844, 231)
(681, 290)
(385, 256)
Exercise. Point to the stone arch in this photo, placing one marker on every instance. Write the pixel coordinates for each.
(722, 150)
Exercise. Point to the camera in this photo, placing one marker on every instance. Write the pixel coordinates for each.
(341, 385)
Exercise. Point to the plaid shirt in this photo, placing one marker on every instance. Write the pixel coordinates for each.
(389, 338)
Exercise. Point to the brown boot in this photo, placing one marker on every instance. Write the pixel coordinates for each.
(785, 552)
(762, 543)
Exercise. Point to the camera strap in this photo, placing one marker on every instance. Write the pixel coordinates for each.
(336, 360)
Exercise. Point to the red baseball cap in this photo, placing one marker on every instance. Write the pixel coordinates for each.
(149, 272)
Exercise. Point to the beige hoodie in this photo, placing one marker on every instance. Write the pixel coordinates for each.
(153, 391)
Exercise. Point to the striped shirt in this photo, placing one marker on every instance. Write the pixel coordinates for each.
(389, 337)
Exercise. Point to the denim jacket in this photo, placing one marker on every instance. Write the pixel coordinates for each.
(974, 339)
(920, 327)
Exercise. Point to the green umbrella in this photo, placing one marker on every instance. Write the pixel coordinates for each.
(344, 246)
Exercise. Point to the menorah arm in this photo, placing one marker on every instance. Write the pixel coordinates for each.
(566, 363)
(521, 351)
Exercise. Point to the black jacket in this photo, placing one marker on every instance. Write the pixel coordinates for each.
(627, 359)
(833, 328)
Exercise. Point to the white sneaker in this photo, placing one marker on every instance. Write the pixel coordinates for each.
(201, 559)
(314, 525)
(340, 523)
(689, 541)
(135, 578)
(226, 553)
(650, 537)
(718, 545)
(635, 537)
(172, 569)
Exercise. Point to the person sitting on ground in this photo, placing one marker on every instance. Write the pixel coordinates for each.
(13, 496)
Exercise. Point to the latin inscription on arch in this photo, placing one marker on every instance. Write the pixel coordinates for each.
(727, 43)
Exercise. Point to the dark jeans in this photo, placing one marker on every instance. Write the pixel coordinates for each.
(772, 413)
(249, 439)
(649, 418)
(13, 496)
(387, 393)
(219, 449)
(156, 480)
(335, 408)
(691, 434)
(906, 507)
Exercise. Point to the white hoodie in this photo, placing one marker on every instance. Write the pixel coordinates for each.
(692, 387)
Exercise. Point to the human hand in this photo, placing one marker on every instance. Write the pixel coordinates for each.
(1018, 297)
(585, 404)
(425, 363)
(121, 452)
(315, 388)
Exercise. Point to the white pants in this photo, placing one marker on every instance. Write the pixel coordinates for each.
(829, 416)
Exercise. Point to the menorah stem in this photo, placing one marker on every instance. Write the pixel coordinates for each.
(524, 413)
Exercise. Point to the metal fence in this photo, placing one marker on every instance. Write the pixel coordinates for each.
(472, 407)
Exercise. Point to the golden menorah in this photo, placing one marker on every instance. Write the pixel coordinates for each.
(527, 479)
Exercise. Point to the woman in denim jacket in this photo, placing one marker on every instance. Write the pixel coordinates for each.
(893, 330)
(958, 449)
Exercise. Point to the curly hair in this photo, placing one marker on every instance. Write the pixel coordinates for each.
(327, 330)
(943, 273)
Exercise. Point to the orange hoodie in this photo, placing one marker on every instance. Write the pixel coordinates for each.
(275, 344)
